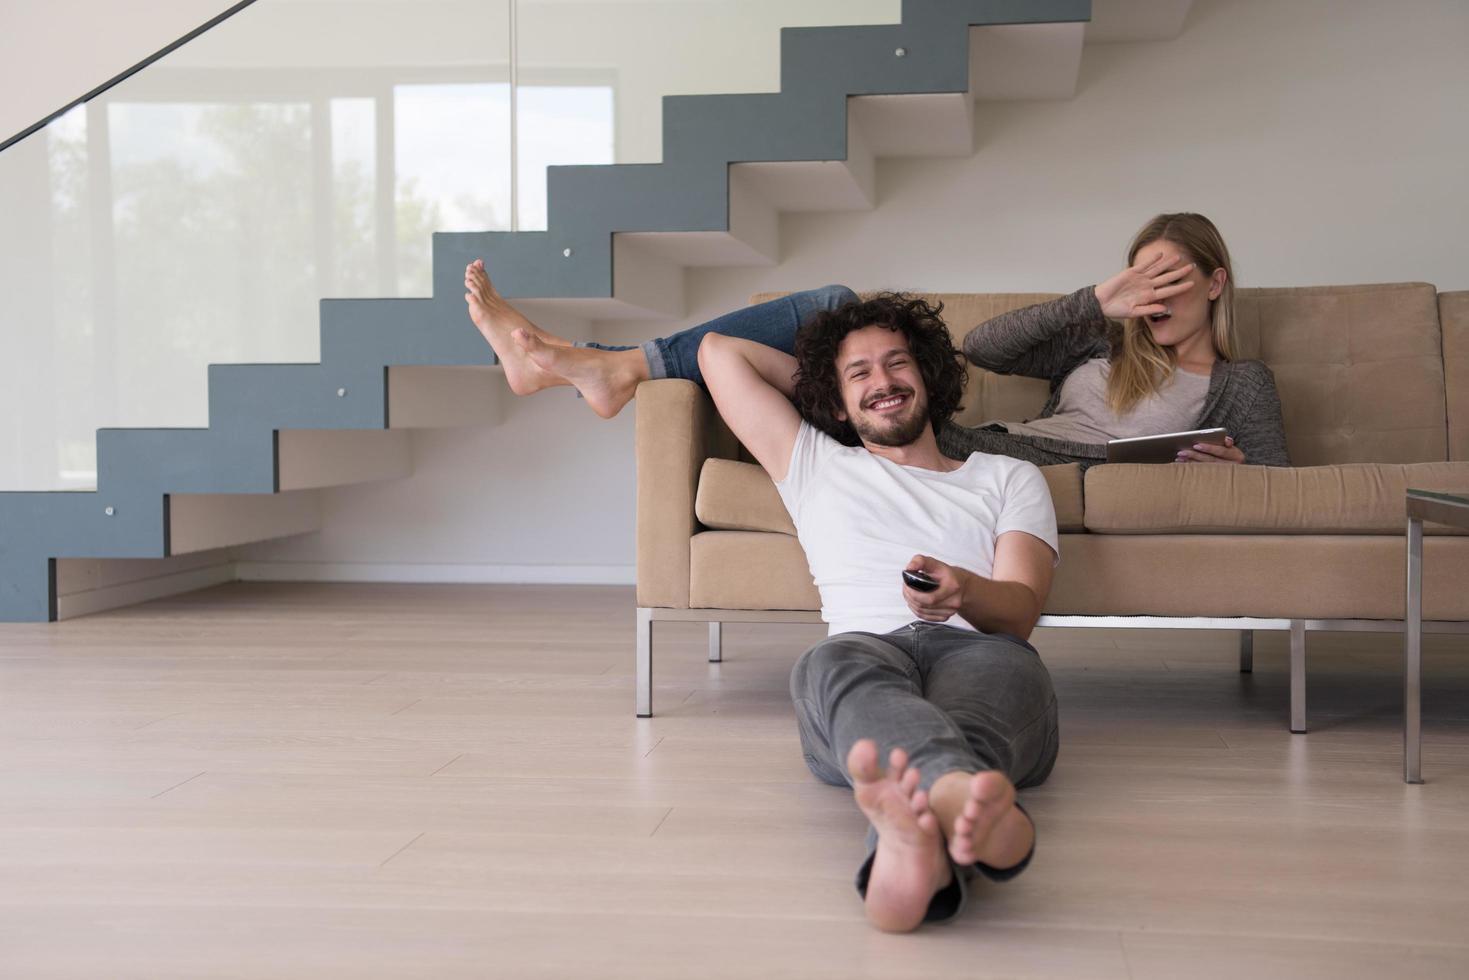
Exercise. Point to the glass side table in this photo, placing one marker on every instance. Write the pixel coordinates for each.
(1440, 508)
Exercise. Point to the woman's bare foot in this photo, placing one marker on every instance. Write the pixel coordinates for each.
(910, 864)
(497, 320)
(606, 379)
(980, 819)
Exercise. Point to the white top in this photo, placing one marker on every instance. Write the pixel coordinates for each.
(861, 518)
(1083, 415)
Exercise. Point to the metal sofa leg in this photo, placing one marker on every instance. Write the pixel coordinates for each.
(1298, 676)
(644, 680)
(716, 647)
(1246, 651)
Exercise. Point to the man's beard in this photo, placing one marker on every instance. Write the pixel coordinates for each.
(897, 432)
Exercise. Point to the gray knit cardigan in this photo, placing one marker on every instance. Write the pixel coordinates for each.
(1050, 340)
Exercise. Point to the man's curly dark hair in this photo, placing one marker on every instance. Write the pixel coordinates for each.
(818, 393)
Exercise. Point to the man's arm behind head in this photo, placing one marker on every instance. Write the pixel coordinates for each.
(751, 385)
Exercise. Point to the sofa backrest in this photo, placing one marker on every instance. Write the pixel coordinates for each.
(1360, 369)
(1453, 315)
(991, 397)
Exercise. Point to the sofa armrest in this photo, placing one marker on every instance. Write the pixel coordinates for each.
(677, 429)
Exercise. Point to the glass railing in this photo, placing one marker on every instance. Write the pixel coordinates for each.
(196, 212)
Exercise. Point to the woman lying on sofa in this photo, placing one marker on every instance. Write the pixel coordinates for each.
(1149, 351)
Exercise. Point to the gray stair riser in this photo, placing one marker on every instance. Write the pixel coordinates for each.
(27, 587)
(76, 524)
(723, 129)
(402, 332)
(865, 60)
(948, 15)
(527, 264)
(161, 461)
(690, 196)
(248, 403)
(298, 396)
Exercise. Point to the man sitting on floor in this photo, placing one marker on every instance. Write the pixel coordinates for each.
(959, 702)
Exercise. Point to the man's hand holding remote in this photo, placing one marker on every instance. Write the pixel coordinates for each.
(943, 599)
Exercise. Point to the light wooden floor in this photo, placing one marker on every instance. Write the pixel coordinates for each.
(440, 781)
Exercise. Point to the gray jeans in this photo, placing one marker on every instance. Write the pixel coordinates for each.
(952, 699)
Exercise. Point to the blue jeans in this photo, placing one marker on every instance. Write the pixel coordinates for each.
(773, 323)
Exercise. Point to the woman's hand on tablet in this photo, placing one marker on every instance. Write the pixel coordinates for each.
(1204, 452)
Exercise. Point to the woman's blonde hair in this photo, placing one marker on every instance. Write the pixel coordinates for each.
(1139, 365)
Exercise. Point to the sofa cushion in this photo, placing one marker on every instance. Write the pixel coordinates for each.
(1064, 479)
(749, 570)
(741, 497)
(1264, 575)
(1340, 576)
(1214, 498)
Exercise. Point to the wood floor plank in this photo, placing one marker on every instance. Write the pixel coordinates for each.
(1153, 956)
(449, 943)
(404, 781)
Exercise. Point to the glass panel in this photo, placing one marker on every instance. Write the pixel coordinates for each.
(453, 171)
(562, 125)
(353, 269)
(197, 212)
(212, 222)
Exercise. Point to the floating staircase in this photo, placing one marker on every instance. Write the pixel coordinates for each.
(619, 238)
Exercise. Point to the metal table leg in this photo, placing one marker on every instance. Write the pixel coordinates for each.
(1413, 658)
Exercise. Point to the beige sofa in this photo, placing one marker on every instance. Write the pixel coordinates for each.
(1374, 382)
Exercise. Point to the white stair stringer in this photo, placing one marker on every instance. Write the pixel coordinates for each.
(1025, 62)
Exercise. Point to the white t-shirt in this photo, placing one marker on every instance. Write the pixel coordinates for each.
(861, 518)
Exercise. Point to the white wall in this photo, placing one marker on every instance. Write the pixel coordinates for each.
(1325, 138)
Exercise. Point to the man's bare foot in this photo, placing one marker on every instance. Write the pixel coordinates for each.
(980, 819)
(910, 864)
(497, 320)
(606, 379)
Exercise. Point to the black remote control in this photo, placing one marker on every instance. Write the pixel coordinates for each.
(920, 581)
